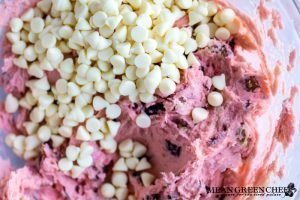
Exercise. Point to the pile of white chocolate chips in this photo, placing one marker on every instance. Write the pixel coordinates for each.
(103, 50)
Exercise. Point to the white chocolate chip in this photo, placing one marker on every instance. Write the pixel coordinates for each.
(18, 47)
(77, 171)
(55, 56)
(199, 114)
(227, 15)
(113, 111)
(72, 152)
(65, 131)
(135, 3)
(16, 25)
(65, 32)
(119, 179)
(82, 25)
(217, 20)
(153, 79)
(44, 5)
(99, 18)
(132, 163)
(44, 133)
(93, 125)
(9, 139)
(171, 71)
(86, 149)
(20, 62)
(202, 40)
(142, 61)
(29, 54)
(147, 178)
(110, 97)
(124, 49)
(129, 18)
(215, 99)
(45, 101)
(184, 4)
(212, 29)
(219, 82)
(192, 60)
(113, 127)
(120, 165)
(139, 34)
(222, 34)
(37, 25)
(190, 45)
(31, 154)
(143, 165)
(82, 134)
(167, 86)
(35, 70)
(147, 98)
(125, 154)
(85, 162)
(138, 150)
(11, 104)
(28, 15)
(97, 136)
(57, 140)
(48, 40)
(13, 37)
(127, 87)
(194, 18)
(61, 86)
(31, 142)
(143, 121)
(65, 165)
(109, 144)
(126, 145)
(169, 56)
(100, 86)
(212, 8)
(37, 115)
(120, 34)
(121, 193)
(108, 190)
(99, 103)
(19, 143)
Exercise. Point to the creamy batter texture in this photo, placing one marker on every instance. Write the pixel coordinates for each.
(186, 157)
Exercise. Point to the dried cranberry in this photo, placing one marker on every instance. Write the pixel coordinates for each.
(248, 103)
(224, 127)
(173, 197)
(153, 197)
(232, 44)
(221, 197)
(173, 148)
(241, 135)
(155, 109)
(212, 140)
(251, 84)
(136, 174)
(107, 167)
(220, 50)
(181, 123)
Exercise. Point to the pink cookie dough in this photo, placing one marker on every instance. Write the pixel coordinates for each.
(186, 157)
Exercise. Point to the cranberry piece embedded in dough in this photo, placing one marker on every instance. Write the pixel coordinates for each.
(155, 109)
(251, 84)
(173, 148)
